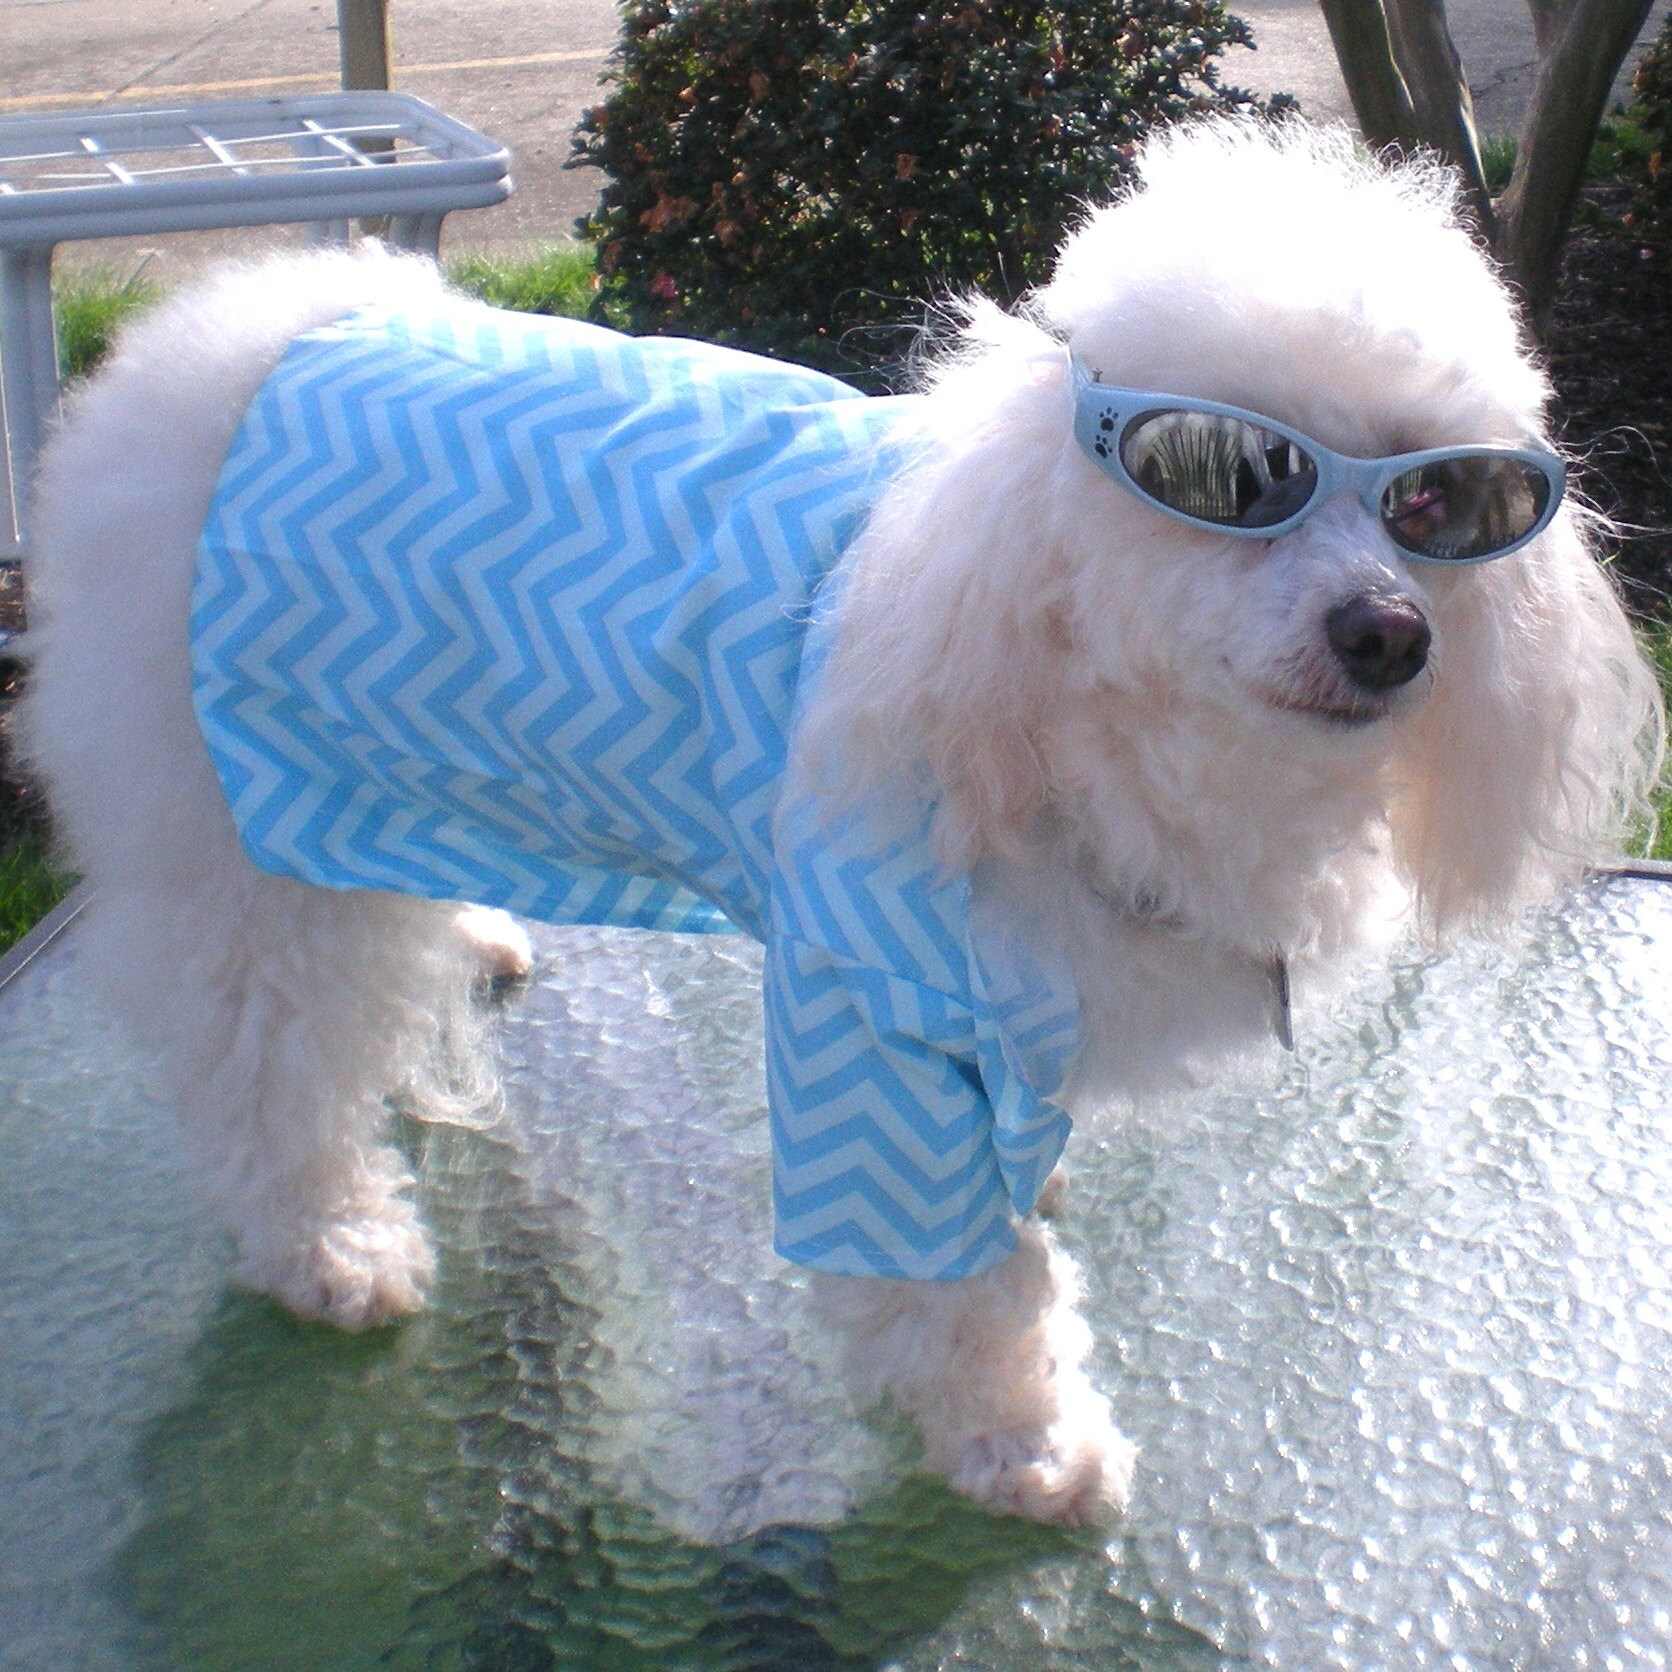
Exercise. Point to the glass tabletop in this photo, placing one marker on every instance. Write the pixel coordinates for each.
(1393, 1333)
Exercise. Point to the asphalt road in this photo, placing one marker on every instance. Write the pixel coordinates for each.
(522, 72)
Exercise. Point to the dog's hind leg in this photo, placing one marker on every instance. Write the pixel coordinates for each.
(279, 1017)
(990, 1369)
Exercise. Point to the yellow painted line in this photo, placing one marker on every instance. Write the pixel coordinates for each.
(319, 82)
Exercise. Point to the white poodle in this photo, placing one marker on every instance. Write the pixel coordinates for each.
(1193, 625)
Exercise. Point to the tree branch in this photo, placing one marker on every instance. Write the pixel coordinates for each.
(1570, 92)
(1381, 101)
(1445, 114)
(1547, 21)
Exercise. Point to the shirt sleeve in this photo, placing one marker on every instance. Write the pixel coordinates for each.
(1026, 1011)
(884, 1161)
(914, 1043)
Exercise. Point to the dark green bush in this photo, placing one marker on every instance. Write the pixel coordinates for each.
(1650, 115)
(783, 172)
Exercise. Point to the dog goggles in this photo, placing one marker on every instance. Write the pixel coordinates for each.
(1239, 473)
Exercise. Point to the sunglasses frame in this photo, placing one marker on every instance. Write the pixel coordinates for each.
(1102, 410)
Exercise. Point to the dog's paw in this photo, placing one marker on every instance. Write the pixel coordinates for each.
(1073, 1473)
(498, 946)
(356, 1274)
(1053, 1194)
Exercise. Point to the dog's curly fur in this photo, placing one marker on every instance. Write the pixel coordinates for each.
(1143, 724)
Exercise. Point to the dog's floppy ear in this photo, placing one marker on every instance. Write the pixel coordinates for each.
(953, 611)
(1540, 744)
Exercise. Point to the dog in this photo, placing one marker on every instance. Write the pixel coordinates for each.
(1198, 625)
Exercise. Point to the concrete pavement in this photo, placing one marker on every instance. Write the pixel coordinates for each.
(523, 74)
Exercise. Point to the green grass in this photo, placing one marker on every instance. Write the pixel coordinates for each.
(90, 304)
(559, 280)
(1657, 641)
(29, 885)
(1622, 148)
(1497, 160)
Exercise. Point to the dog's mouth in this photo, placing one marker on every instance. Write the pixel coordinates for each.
(1351, 715)
(1374, 660)
(1313, 687)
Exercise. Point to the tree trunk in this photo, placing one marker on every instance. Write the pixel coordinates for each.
(1408, 88)
(1570, 94)
(1547, 21)
(1381, 101)
(363, 42)
(1406, 82)
(1445, 112)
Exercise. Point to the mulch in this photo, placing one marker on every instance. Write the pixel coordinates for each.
(1609, 349)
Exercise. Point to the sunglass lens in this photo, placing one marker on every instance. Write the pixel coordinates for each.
(1217, 468)
(1465, 507)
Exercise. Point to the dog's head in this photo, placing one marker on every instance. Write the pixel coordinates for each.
(1220, 717)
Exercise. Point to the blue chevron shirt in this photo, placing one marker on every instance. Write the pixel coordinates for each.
(516, 611)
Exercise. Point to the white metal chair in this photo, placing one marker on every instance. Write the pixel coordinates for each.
(326, 159)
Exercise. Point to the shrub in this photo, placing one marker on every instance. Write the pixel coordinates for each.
(785, 171)
(1650, 115)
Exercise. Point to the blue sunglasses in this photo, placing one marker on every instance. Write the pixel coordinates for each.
(1236, 472)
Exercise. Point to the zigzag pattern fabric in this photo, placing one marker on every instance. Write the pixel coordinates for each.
(515, 611)
(914, 1041)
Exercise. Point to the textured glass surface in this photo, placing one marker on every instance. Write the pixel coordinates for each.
(1392, 1333)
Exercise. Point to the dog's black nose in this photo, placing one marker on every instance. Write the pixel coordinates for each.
(1382, 642)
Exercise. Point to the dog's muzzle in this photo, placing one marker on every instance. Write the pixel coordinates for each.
(1380, 641)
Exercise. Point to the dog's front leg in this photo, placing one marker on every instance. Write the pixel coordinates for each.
(991, 1370)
